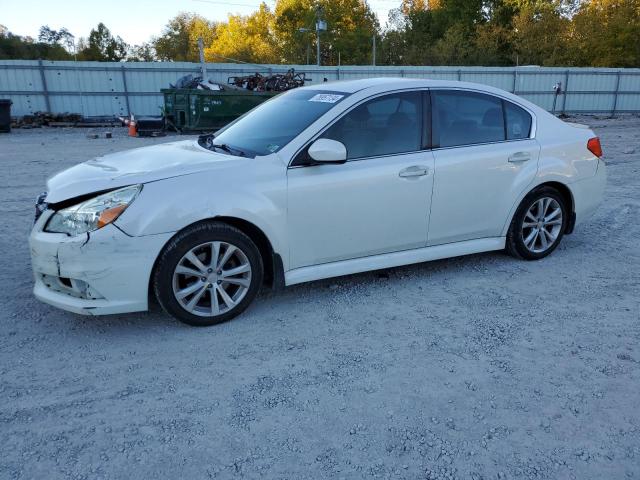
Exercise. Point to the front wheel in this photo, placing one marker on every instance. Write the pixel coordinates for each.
(538, 225)
(207, 274)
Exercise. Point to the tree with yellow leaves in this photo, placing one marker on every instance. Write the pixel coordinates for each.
(247, 38)
(419, 32)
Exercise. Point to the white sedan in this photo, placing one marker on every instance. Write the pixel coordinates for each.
(318, 182)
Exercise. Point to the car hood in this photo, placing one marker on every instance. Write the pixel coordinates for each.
(140, 165)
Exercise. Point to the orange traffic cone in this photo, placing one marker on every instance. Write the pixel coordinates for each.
(133, 131)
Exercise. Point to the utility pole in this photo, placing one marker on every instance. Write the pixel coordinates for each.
(373, 56)
(203, 66)
(321, 26)
(317, 45)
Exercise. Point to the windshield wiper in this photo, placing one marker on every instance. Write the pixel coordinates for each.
(207, 139)
(222, 146)
(228, 149)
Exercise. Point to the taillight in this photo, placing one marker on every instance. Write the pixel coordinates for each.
(594, 146)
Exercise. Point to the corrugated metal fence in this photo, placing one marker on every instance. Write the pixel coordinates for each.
(97, 89)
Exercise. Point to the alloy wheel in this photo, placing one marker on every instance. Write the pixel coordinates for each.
(211, 279)
(542, 224)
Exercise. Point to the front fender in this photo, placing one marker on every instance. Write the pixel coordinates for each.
(256, 195)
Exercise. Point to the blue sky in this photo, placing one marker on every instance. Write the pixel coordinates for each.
(134, 20)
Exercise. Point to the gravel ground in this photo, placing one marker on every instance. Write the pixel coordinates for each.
(479, 367)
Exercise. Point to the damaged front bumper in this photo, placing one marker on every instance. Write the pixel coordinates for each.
(103, 272)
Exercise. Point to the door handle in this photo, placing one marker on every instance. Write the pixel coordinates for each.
(519, 157)
(414, 171)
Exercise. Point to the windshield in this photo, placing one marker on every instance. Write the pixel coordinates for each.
(270, 126)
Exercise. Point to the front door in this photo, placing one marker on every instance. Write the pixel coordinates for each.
(378, 201)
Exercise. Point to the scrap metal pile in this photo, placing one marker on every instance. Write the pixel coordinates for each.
(278, 82)
(190, 82)
(46, 119)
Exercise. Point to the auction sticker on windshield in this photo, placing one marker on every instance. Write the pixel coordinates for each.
(326, 98)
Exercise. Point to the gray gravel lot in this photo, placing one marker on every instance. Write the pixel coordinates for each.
(479, 367)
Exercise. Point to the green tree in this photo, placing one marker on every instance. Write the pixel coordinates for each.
(540, 34)
(292, 16)
(393, 45)
(102, 46)
(606, 33)
(179, 39)
(141, 53)
(493, 45)
(24, 48)
(351, 25)
(61, 37)
(456, 47)
(437, 31)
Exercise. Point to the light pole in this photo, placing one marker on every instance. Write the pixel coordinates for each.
(321, 26)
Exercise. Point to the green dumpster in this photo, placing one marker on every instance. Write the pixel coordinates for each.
(191, 110)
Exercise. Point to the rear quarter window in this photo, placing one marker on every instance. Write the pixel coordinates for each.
(518, 121)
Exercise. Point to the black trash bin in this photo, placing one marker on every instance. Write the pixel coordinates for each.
(5, 115)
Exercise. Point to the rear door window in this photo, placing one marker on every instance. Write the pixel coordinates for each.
(466, 118)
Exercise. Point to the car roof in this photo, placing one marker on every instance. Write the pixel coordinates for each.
(352, 86)
(392, 83)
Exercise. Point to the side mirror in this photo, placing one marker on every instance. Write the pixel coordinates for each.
(324, 150)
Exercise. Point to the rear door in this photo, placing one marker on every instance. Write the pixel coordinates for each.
(484, 159)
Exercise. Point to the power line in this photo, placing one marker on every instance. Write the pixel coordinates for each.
(239, 61)
(233, 3)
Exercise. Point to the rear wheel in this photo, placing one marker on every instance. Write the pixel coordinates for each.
(207, 274)
(538, 224)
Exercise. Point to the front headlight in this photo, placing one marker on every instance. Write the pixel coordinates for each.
(92, 214)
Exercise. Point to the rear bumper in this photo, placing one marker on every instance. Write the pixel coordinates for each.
(104, 272)
(588, 193)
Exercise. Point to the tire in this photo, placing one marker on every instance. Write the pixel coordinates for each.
(190, 289)
(526, 223)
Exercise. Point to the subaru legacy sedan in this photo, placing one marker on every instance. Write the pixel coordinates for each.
(317, 182)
